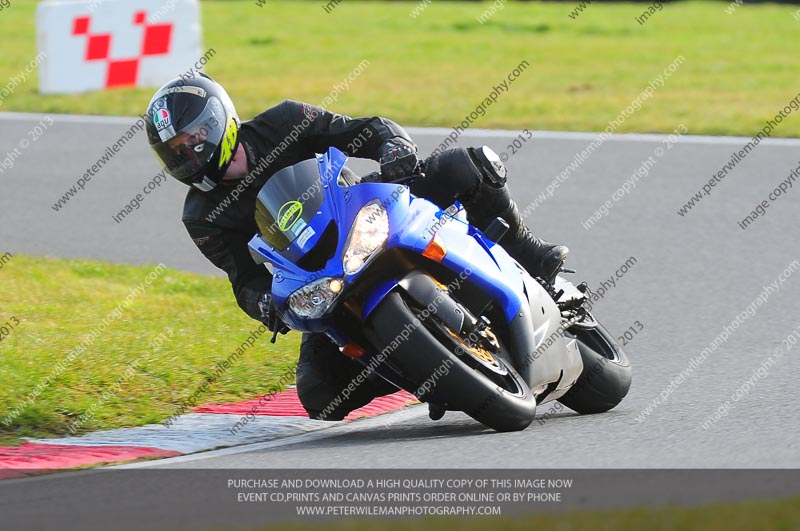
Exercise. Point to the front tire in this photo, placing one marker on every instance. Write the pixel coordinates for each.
(606, 376)
(421, 354)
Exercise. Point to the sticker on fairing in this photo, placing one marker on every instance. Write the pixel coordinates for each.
(305, 236)
(289, 214)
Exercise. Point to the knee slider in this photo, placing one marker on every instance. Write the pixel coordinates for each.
(492, 169)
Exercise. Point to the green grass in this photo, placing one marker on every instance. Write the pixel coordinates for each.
(58, 302)
(782, 515)
(433, 70)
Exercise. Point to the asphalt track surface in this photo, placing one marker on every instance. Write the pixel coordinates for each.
(693, 275)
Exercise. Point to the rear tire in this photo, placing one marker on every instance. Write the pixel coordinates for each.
(606, 376)
(421, 355)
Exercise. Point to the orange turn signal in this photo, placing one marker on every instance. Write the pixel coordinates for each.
(435, 250)
(352, 350)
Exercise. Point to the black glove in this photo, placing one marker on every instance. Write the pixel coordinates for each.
(398, 158)
(269, 315)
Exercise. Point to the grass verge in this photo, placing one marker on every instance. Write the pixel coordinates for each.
(149, 356)
(435, 68)
(773, 515)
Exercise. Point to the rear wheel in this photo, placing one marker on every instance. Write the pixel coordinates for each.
(606, 376)
(450, 369)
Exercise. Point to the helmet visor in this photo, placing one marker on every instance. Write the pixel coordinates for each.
(186, 154)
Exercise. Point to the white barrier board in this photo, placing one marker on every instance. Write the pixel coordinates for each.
(102, 44)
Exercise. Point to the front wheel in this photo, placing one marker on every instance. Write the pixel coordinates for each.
(482, 385)
(606, 376)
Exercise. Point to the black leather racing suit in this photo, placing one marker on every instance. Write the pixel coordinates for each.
(222, 221)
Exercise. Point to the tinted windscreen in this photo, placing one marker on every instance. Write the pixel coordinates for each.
(287, 202)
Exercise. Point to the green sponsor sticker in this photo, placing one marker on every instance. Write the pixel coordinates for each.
(288, 215)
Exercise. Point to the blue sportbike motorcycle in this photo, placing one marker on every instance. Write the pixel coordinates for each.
(428, 302)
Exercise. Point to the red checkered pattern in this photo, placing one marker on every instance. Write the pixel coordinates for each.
(123, 72)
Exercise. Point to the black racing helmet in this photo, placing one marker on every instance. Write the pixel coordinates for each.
(193, 129)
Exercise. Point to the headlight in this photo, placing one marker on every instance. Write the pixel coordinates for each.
(370, 231)
(313, 300)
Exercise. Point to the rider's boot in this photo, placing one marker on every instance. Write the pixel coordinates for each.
(539, 257)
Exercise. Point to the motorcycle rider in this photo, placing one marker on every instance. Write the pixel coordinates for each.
(194, 130)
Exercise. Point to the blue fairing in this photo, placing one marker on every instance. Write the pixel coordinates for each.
(412, 224)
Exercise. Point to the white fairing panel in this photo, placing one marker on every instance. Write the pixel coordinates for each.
(556, 357)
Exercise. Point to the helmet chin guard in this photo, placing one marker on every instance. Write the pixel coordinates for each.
(206, 185)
